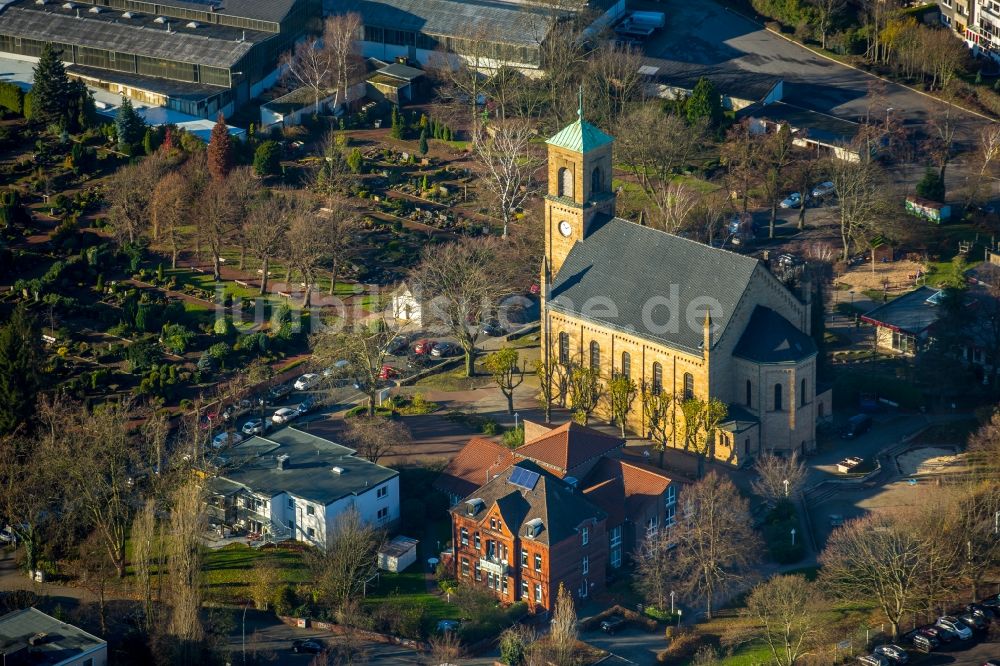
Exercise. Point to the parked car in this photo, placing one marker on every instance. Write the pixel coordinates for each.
(940, 633)
(306, 381)
(856, 426)
(922, 642)
(307, 646)
(284, 415)
(982, 611)
(955, 626)
(893, 653)
(388, 372)
(255, 427)
(336, 368)
(873, 660)
(306, 405)
(992, 603)
(493, 329)
(793, 200)
(822, 189)
(443, 350)
(397, 345)
(972, 621)
(423, 346)
(278, 392)
(612, 624)
(226, 439)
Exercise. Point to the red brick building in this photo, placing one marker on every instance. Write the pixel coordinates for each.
(526, 531)
(591, 506)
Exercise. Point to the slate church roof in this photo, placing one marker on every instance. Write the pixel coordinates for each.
(770, 338)
(629, 267)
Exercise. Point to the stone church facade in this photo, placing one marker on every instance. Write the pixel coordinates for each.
(673, 314)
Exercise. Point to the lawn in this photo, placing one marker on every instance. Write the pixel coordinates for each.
(410, 587)
(187, 276)
(226, 570)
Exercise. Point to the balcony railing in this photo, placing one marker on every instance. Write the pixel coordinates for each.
(494, 566)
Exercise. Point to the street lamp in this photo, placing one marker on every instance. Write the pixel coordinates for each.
(793, 536)
(516, 415)
(672, 598)
(679, 613)
(887, 112)
(996, 523)
(786, 487)
(245, 606)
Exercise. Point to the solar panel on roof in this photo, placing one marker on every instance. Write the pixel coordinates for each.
(524, 478)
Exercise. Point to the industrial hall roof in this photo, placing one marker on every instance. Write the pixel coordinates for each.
(197, 46)
(500, 22)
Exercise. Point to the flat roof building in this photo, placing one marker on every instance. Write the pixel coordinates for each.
(195, 56)
(294, 485)
(29, 636)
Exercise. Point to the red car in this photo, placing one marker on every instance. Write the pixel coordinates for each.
(388, 372)
(424, 346)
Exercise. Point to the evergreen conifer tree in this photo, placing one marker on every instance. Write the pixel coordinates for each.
(20, 363)
(220, 150)
(50, 89)
(129, 126)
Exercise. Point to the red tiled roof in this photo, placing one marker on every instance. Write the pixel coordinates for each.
(568, 446)
(469, 469)
(637, 484)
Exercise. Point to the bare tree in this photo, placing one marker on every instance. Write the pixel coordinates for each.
(776, 157)
(701, 419)
(827, 13)
(101, 476)
(217, 223)
(187, 523)
(266, 230)
(614, 81)
(145, 546)
(672, 205)
(341, 225)
(741, 155)
(563, 632)
(550, 374)
(342, 569)
(716, 547)
(654, 569)
(364, 346)
(664, 419)
(310, 238)
(654, 162)
(30, 494)
(95, 572)
(861, 191)
(778, 478)
(264, 578)
(621, 393)
(311, 64)
(791, 612)
(504, 366)
(375, 437)
(445, 649)
(462, 283)
(585, 391)
(988, 148)
(341, 33)
(876, 557)
(169, 211)
(508, 162)
(128, 195)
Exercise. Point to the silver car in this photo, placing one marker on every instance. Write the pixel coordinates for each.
(955, 626)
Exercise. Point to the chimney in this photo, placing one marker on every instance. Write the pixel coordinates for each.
(282, 461)
(338, 470)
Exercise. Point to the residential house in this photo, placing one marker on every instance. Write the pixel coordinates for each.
(525, 532)
(29, 636)
(635, 499)
(294, 485)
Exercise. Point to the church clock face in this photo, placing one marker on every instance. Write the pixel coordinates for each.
(565, 228)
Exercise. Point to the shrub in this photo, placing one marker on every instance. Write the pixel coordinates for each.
(284, 601)
(490, 427)
(267, 159)
(220, 350)
(224, 327)
(683, 645)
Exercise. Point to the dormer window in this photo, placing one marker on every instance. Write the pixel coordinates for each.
(473, 506)
(533, 528)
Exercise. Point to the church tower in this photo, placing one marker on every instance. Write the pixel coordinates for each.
(579, 165)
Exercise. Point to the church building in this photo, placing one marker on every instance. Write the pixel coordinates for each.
(672, 314)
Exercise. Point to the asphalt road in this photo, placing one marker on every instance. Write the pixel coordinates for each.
(704, 37)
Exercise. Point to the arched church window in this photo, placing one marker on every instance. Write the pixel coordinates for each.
(596, 180)
(565, 182)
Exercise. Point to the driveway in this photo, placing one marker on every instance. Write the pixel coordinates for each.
(629, 646)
